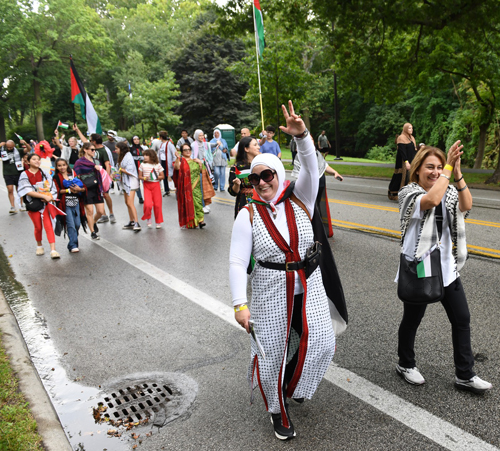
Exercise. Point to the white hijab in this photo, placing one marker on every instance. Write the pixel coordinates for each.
(272, 162)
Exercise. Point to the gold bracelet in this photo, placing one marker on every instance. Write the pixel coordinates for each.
(449, 167)
(239, 308)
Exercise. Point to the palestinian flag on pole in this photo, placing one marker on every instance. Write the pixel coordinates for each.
(80, 96)
(259, 26)
(62, 125)
(242, 174)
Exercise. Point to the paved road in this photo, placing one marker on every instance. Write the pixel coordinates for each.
(156, 305)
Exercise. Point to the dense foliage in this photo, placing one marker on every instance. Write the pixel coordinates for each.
(192, 64)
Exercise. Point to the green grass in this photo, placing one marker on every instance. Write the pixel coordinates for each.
(287, 155)
(18, 431)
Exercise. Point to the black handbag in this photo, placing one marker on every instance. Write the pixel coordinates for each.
(34, 203)
(422, 290)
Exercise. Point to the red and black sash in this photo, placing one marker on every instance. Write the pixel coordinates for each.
(292, 254)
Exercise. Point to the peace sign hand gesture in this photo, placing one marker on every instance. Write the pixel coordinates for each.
(294, 124)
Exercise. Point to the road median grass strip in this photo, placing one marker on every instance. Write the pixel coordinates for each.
(18, 430)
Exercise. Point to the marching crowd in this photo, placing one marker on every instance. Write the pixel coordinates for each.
(280, 237)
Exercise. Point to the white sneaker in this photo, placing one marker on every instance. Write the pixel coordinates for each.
(410, 375)
(475, 385)
(206, 209)
(54, 255)
(39, 250)
(23, 208)
(75, 250)
(12, 211)
(111, 191)
(150, 224)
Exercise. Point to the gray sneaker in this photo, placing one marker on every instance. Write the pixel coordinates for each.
(112, 219)
(410, 375)
(103, 218)
(12, 211)
(137, 227)
(475, 385)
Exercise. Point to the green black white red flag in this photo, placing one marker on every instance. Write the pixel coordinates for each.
(80, 97)
(259, 27)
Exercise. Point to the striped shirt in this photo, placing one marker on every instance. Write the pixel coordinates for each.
(147, 169)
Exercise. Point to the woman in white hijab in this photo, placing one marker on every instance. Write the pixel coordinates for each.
(289, 312)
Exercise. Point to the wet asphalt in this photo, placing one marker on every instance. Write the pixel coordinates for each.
(92, 319)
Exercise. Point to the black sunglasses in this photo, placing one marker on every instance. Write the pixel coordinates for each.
(267, 175)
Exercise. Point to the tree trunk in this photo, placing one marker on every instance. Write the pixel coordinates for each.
(38, 114)
(495, 178)
(305, 117)
(3, 136)
(482, 144)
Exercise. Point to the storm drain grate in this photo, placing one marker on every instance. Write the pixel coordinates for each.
(138, 402)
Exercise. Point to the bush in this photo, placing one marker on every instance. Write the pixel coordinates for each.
(381, 153)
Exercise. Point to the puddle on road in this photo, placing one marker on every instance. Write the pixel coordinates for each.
(73, 402)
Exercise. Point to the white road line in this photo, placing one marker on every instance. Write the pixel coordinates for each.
(416, 418)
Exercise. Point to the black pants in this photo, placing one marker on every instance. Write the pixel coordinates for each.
(455, 305)
(165, 171)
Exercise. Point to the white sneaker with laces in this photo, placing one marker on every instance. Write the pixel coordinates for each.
(475, 385)
(206, 209)
(410, 375)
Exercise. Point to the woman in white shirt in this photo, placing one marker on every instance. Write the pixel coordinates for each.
(430, 187)
(130, 183)
(289, 312)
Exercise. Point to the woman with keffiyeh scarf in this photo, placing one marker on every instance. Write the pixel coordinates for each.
(430, 174)
(89, 173)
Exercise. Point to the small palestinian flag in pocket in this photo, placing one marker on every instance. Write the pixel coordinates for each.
(153, 176)
(242, 174)
(424, 268)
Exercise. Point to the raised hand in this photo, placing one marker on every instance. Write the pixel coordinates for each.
(454, 153)
(294, 124)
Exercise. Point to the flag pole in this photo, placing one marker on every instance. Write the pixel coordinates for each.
(258, 67)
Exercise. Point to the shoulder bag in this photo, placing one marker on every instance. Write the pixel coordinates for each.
(34, 203)
(421, 281)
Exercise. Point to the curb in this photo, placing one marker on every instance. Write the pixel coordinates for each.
(48, 424)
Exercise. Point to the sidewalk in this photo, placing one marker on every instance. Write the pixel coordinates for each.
(49, 427)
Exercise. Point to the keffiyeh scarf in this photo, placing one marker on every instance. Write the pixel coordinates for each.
(428, 235)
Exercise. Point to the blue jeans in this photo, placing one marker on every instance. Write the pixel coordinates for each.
(219, 174)
(72, 225)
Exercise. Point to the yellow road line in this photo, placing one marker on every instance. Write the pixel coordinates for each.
(395, 210)
(475, 250)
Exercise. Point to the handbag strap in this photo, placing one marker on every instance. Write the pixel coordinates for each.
(439, 220)
(438, 215)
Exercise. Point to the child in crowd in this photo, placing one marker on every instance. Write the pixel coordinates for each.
(69, 189)
(151, 172)
(36, 185)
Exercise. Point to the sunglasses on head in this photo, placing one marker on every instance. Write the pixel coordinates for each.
(267, 175)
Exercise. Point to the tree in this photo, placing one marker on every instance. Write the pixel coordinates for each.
(153, 102)
(46, 37)
(210, 94)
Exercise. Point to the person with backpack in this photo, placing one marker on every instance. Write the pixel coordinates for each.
(37, 189)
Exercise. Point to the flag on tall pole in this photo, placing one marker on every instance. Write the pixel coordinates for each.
(80, 97)
(259, 27)
(258, 22)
